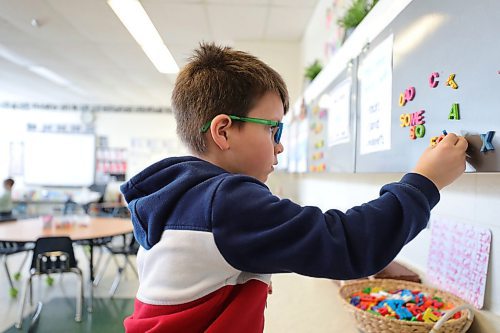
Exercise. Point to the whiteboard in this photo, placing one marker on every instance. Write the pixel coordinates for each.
(59, 159)
(442, 38)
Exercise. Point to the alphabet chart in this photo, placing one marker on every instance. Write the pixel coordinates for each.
(458, 259)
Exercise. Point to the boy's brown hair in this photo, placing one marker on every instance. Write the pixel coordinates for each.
(220, 80)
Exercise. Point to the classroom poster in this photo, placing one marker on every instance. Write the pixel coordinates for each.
(292, 146)
(301, 145)
(337, 104)
(375, 76)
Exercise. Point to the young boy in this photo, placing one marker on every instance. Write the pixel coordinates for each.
(211, 232)
(6, 197)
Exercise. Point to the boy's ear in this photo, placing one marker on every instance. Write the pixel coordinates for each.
(219, 130)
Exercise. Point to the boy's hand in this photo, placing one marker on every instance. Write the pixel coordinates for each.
(445, 162)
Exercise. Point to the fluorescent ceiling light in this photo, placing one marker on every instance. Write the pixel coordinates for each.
(56, 78)
(138, 23)
(39, 70)
(49, 75)
(12, 57)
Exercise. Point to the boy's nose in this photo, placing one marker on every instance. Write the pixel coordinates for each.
(278, 149)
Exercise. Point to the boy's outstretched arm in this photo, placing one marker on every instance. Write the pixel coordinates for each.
(257, 232)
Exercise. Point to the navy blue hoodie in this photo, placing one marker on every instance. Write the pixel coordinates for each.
(257, 232)
(210, 239)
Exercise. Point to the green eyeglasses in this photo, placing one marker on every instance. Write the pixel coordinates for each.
(272, 123)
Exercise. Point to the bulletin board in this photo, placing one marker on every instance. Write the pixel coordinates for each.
(433, 41)
(332, 119)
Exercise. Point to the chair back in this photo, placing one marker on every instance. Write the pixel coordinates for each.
(53, 254)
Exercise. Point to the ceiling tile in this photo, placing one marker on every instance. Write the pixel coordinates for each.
(52, 26)
(84, 42)
(93, 19)
(232, 22)
(238, 2)
(294, 3)
(179, 23)
(287, 23)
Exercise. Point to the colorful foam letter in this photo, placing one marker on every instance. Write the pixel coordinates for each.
(420, 131)
(432, 80)
(451, 81)
(486, 139)
(455, 112)
(402, 99)
(410, 94)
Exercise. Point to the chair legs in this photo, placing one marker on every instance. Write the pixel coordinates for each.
(4, 259)
(27, 286)
(102, 270)
(118, 276)
(79, 295)
(116, 282)
(22, 264)
(132, 266)
(29, 289)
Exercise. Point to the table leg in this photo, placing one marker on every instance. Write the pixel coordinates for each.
(91, 272)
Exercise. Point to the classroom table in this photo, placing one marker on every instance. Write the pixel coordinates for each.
(95, 228)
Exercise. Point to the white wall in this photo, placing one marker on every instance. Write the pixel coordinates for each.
(318, 33)
(284, 57)
(155, 131)
(13, 129)
(119, 127)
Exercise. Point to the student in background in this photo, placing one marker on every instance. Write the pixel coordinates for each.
(6, 197)
(212, 233)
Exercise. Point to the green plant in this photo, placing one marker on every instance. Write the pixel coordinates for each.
(313, 70)
(356, 13)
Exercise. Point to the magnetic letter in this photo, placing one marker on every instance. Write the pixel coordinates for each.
(420, 131)
(432, 80)
(451, 81)
(412, 133)
(413, 119)
(454, 113)
(402, 120)
(486, 138)
(407, 119)
(420, 117)
(410, 94)
(402, 100)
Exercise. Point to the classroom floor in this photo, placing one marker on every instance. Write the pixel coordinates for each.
(58, 309)
(298, 304)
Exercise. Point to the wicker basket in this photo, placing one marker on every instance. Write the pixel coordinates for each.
(370, 323)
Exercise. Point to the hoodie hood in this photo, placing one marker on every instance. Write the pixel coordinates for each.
(161, 193)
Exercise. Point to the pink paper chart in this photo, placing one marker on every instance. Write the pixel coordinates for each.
(458, 259)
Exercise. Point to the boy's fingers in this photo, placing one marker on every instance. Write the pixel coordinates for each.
(450, 138)
(462, 143)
